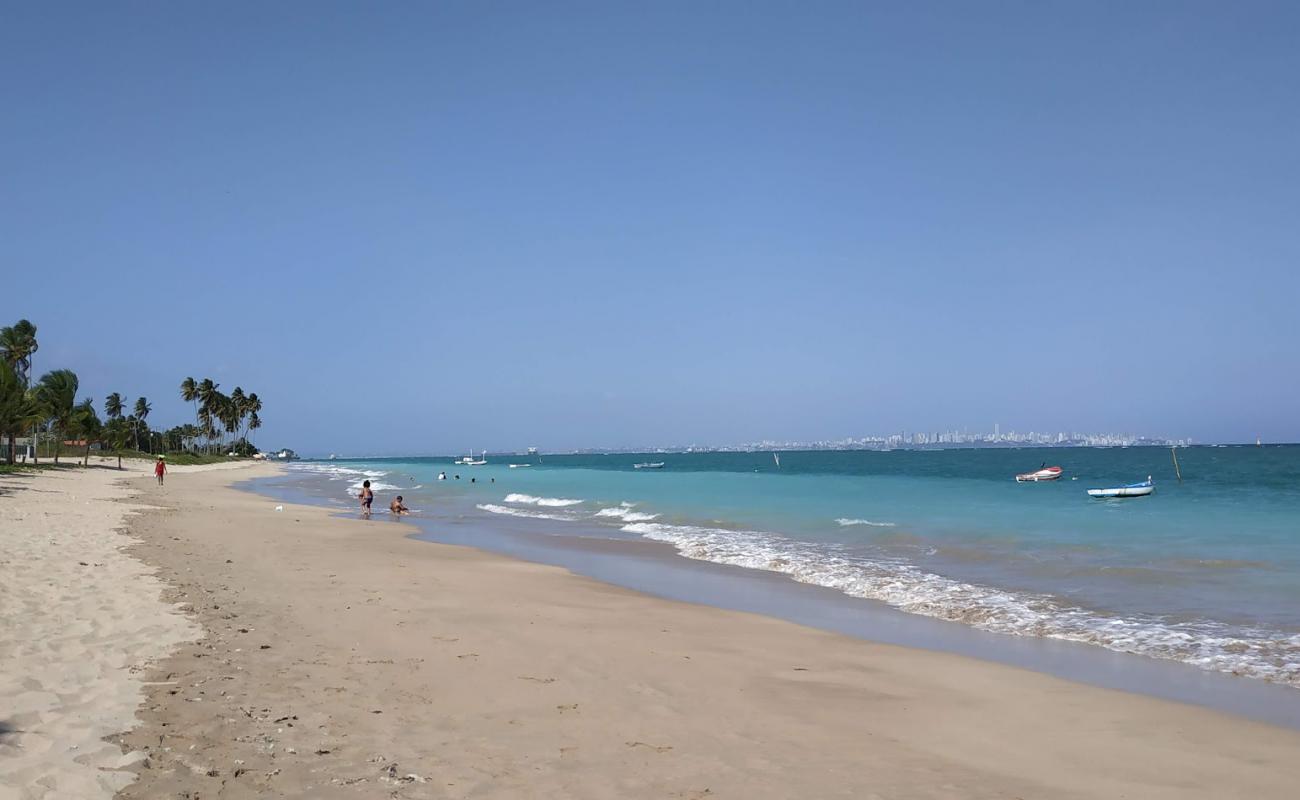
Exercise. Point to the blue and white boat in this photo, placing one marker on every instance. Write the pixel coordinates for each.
(1131, 490)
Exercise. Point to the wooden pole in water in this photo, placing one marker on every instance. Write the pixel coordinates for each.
(1173, 453)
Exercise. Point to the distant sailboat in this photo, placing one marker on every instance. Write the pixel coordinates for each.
(777, 459)
(1258, 443)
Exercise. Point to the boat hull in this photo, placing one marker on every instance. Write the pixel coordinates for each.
(1122, 491)
(1046, 474)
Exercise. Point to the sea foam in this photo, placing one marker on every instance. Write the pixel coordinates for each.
(1256, 652)
(528, 499)
(626, 514)
(846, 522)
(521, 512)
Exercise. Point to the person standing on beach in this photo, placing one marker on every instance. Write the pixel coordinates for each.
(367, 497)
(160, 469)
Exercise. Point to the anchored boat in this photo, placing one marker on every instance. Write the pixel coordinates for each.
(1043, 474)
(649, 465)
(1131, 490)
(470, 461)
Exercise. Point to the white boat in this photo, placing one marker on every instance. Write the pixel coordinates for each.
(649, 465)
(1131, 490)
(1041, 474)
(469, 460)
(517, 466)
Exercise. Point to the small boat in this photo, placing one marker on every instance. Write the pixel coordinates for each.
(469, 461)
(517, 466)
(649, 465)
(1043, 474)
(1131, 490)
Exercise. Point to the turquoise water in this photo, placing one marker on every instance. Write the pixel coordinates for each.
(1206, 572)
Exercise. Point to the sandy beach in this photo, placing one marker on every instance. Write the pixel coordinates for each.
(317, 656)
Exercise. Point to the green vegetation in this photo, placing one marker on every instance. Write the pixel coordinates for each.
(49, 414)
(181, 457)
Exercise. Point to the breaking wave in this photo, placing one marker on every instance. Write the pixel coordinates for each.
(626, 514)
(528, 499)
(1255, 652)
(521, 512)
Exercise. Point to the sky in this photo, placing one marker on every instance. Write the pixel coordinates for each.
(429, 227)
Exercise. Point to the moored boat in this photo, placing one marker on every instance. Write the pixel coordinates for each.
(1042, 474)
(1130, 490)
(649, 465)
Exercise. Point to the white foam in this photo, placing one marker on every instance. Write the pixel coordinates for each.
(625, 513)
(846, 522)
(528, 499)
(335, 472)
(521, 512)
(1256, 652)
(380, 486)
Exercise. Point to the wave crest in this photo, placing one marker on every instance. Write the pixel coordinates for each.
(1256, 652)
(528, 499)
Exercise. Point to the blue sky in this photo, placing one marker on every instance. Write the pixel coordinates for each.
(417, 227)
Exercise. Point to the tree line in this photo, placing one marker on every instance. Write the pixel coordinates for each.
(49, 408)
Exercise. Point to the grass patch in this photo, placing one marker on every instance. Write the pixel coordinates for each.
(172, 458)
(13, 469)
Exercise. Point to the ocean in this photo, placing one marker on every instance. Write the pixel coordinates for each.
(1205, 572)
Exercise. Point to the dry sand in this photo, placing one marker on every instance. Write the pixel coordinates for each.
(344, 660)
(79, 620)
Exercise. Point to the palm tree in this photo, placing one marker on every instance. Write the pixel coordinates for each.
(254, 406)
(207, 393)
(19, 410)
(228, 414)
(57, 392)
(17, 344)
(238, 410)
(142, 409)
(190, 394)
(88, 427)
(117, 434)
(113, 406)
(254, 422)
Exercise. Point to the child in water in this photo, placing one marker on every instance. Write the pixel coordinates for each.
(367, 497)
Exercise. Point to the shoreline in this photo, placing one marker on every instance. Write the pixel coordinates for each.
(660, 570)
(342, 657)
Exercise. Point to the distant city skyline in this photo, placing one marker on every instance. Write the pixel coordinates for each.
(900, 440)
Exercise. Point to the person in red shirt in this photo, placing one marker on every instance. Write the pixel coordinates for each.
(160, 469)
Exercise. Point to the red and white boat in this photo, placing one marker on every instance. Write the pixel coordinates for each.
(1044, 474)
